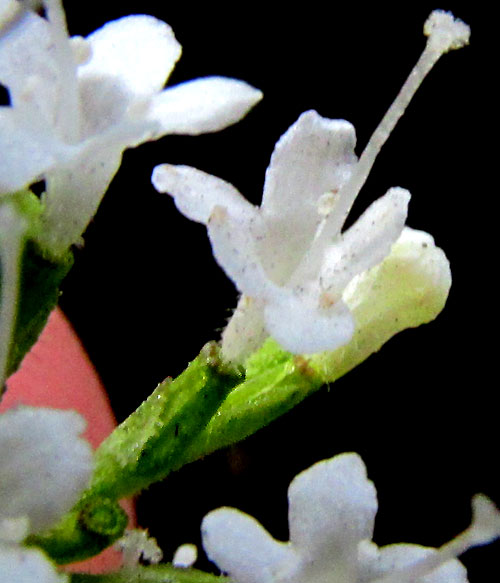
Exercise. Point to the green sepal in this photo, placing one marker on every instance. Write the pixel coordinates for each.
(152, 442)
(93, 525)
(40, 278)
(153, 574)
(276, 381)
(39, 294)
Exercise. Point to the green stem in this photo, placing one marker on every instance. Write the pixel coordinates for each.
(153, 574)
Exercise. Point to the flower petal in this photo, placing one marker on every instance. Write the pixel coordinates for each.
(376, 563)
(45, 464)
(233, 246)
(367, 242)
(302, 327)
(203, 105)
(24, 565)
(139, 50)
(246, 330)
(25, 154)
(241, 547)
(74, 192)
(27, 64)
(315, 156)
(197, 193)
(332, 507)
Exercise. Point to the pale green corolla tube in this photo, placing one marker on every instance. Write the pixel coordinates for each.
(407, 289)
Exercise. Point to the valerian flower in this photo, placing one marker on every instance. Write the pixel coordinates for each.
(77, 104)
(289, 258)
(44, 467)
(332, 508)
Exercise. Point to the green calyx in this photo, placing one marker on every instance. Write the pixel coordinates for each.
(39, 279)
(93, 525)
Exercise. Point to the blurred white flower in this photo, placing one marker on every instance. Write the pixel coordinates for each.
(332, 507)
(289, 258)
(44, 467)
(77, 104)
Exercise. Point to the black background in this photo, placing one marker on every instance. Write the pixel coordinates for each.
(145, 293)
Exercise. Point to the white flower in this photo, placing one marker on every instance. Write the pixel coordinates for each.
(76, 104)
(44, 467)
(290, 293)
(332, 507)
(289, 258)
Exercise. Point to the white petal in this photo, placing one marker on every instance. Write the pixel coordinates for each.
(313, 157)
(139, 50)
(367, 242)
(27, 55)
(375, 564)
(197, 193)
(22, 565)
(245, 331)
(74, 192)
(233, 246)
(303, 327)
(14, 530)
(241, 547)
(332, 507)
(44, 464)
(25, 154)
(203, 105)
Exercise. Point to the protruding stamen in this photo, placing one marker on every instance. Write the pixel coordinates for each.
(445, 33)
(484, 528)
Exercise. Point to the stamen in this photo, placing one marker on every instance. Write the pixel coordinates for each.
(135, 545)
(82, 51)
(69, 109)
(444, 33)
(326, 202)
(484, 528)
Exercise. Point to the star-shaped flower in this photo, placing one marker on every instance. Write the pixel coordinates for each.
(77, 104)
(291, 292)
(44, 467)
(290, 258)
(332, 507)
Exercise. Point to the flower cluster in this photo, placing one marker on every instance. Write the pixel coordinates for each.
(332, 508)
(77, 104)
